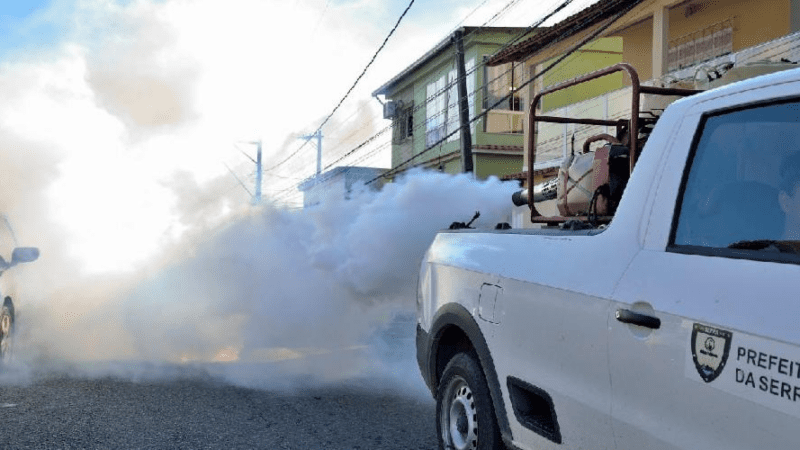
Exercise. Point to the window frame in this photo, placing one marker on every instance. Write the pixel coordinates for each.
(754, 255)
(403, 124)
(435, 109)
(514, 100)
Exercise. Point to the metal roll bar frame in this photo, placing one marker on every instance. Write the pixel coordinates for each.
(633, 128)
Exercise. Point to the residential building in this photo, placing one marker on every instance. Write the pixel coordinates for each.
(340, 183)
(672, 43)
(423, 103)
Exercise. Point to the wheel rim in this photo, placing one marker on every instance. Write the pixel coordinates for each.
(5, 335)
(460, 417)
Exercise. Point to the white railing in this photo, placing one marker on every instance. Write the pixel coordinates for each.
(504, 121)
(554, 141)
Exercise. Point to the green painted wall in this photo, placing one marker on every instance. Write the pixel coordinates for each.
(497, 165)
(413, 88)
(595, 55)
(482, 138)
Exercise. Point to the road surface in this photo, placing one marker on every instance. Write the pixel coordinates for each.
(196, 409)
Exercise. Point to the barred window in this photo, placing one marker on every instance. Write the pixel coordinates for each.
(403, 126)
(701, 45)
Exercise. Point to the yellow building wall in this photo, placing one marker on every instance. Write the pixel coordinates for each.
(754, 22)
(452, 166)
(637, 48)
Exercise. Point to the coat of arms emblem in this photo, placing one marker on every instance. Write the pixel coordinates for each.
(710, 347)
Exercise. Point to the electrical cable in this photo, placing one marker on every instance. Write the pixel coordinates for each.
(319, 129)
(451, 85)
(478, 65)
(237, 179)
(589, 38)
(447, 87)
(511, 42)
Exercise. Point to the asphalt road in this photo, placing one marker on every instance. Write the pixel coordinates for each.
(195, 409)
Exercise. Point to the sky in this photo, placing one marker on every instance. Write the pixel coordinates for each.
(127, 132)
(126, 125)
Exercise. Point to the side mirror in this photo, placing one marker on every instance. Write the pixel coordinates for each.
(24, 255)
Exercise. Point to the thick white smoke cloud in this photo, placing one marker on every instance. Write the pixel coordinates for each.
(311, 288)
(278, 284)
(111, 150)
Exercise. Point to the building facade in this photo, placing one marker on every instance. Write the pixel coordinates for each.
(340, 183)
(688, 44)
(423, 103)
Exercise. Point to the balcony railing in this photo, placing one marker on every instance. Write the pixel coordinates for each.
(554, 141)
(504, 121)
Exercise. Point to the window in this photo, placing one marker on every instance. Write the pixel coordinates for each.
(442, 116)
(701, 45)
(403, 127)
(741, 197)
(500, 81)
(435, 111)
(453, 119)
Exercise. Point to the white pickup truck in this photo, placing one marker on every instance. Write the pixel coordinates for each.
(676, 325)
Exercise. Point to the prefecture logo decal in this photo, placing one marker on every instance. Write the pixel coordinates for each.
(710, 347)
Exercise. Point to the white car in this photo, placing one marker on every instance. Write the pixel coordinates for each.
(10, 256)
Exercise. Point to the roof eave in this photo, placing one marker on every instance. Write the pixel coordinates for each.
(428, 56)
(568, 27)
(424, 59)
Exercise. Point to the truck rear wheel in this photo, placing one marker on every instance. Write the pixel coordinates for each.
(464, 411)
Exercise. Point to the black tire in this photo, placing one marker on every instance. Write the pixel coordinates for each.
(465, 418)
(6, 331)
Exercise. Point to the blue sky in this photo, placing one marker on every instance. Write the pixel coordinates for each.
(21, 9)
(21, 26)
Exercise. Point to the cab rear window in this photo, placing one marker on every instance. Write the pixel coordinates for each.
(741, 194)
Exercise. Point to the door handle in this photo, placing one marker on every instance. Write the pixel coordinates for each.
(634, 318)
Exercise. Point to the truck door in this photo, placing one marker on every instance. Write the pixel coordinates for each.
(703, 326)
(554, 349)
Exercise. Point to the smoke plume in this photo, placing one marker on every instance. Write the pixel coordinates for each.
(112, 145)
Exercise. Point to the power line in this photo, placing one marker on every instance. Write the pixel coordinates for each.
(503, 10)
(539, 74)
(422, 124)
(240, 181)
(400, 19)
(450, 85)
(477, 66)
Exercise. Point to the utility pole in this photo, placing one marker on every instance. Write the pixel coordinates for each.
(318, 135)
(257, 197)
(463, 104)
